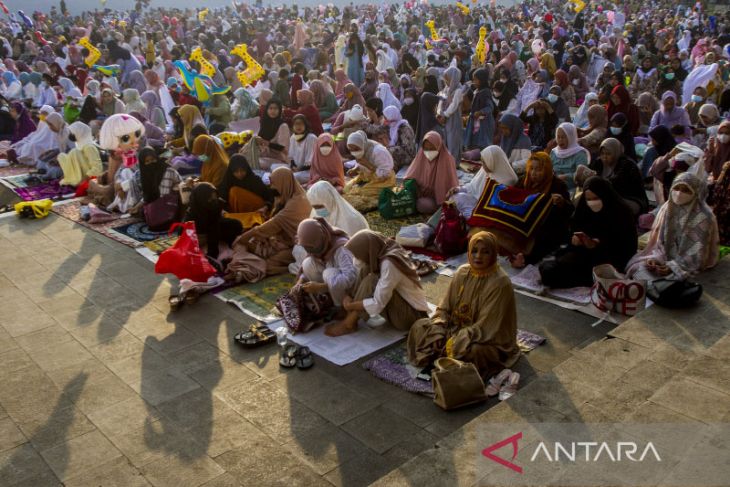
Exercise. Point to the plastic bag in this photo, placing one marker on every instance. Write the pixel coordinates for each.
(185, 259)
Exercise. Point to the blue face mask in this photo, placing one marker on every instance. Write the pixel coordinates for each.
(696, 98)
(322, 212)
(616, 130)
(669, 76)
(552, 97)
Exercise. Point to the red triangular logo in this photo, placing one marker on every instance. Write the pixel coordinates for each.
(487, 452)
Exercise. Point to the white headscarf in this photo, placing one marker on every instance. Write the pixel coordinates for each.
(341, 213)
(82, 134)
(386, 95)
(573, 147)
(581, 117)
(395, 120)
(495, 165)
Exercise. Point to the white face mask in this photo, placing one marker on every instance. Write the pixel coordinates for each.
(431, 154)
(595, 205)
(408, 101)
(552, 97)
(203, 157)
(325, 150)
(357, 154)
(681, 198)
(723, 138)
(576, 82)
(299, 136)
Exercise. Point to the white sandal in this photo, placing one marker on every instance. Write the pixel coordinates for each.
(510, 388)
(495, 383)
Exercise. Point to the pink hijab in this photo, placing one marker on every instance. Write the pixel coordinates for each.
(327, 168)
(435, 178)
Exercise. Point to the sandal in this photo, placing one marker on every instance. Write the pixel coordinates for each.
(424, 268)
(510, 388)
(192, 296)
(256, 336)
(495, 383)
(176, 302)
(288, 356)
(304, 358)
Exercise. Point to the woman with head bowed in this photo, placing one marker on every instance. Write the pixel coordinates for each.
(374, 171)
(476, 320)
(434, 170)
(603, 232)
(327, 203)
(387, 285)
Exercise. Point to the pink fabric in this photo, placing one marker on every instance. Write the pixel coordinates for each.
(328, 168)
(435, 178)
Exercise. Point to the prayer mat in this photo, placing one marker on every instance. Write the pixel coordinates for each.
(528, 341)
(161, 244)
(71, 210)
(140, 232)
(390, 228)
(15, 170)
(258, 299)
(31, 192)
(392, 367)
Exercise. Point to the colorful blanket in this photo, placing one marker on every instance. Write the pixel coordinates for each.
(258, 299)
(72, 211)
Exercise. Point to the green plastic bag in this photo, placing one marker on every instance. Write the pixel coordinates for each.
(398, 202)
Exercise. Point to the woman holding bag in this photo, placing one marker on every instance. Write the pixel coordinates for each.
(476, 320)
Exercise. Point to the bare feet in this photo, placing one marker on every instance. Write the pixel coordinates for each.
(340, 328)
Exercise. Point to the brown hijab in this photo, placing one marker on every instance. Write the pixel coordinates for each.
(597, 117)
(319, 238)
(214, 169)
(290, 206)
(372, 247)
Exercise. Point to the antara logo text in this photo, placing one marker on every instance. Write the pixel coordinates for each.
(576, 451)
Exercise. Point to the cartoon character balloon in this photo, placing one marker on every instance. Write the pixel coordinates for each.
(121, 133)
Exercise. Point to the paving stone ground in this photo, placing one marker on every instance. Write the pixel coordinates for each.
(101, 385)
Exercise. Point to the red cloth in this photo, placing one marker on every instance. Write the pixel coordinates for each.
(435, 178)
(311, 112)
(297, 83)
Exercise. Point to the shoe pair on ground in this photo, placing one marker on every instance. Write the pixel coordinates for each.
(503, 384)
(290, 356)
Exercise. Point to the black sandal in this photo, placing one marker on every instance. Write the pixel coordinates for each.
(176, 302)
(256, 336)
(304, 358)
(288, 356)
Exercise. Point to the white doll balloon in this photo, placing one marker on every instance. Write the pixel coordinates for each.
(120, 133)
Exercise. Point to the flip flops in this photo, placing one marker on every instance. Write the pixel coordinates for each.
(256, 336)
(295, 356)
(495, 383)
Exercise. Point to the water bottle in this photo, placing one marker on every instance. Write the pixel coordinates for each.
(282, 336)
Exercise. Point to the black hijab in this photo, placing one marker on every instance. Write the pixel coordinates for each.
(483, 95)
(269, 126)
(117, 52)
(427, 115)
(251, 182)
(410, 112)
(431, 85)
(663, 138)
(150, 174)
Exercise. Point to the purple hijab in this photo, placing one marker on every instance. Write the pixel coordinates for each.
(23, 124)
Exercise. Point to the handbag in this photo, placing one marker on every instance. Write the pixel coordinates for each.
(451, 234)
(398, 202)
(456, 384)
(185, 259)
(160, 213)
(301, 310)
(612, 291)
(674, 294)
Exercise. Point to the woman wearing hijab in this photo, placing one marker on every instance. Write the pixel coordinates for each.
(547, 62)
(341, 80)
(567, 93)
(476, 321)
(272, 140)
(374, 171)
(411, 107)
(215, 159)
(154, 112)
(621, 172)
(189, 116)
(301, 148)
(354, 53)
(708, 123)
(567, 154)
(718, 150)
(647, 105)
(327, 266)
(427, 120)
(242, 190)
(137, 81)
(554, 229)
(597, 130)
(12, 88)
(83, 161)
(324, 99)
(369, 87)
(558, 105)
(326, 163)
(267, 249)
(327, 203)
(401, 138)
(578, 82)
(132, 101)
(684, 237)
(496, 166)
(620, 102)
(23, 125)
(581, 117)
(126, 61)
(603, 232)
(669, 114)
(662, 142)
(513, 140)
(206, 210)
(646, 78)
(479, 130)
(308, 109)
(448, 112)
(619, 128)
(434, 170)
(51, 134)
(388, 285)
(385, 94)
(157, 178)
(110, 104)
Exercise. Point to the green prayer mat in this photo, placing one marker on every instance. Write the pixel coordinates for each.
(390, 228)
(161, 244)
(258, 299)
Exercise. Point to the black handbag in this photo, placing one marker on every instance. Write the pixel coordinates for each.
(674, 294)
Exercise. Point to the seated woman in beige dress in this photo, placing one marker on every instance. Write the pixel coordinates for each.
(387, 285)
(477, 319)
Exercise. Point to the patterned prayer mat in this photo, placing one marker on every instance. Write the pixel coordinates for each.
(258, 299)
(392, 366)
(72, 211)
(140, 232)
(31, 192)
(390, 228)
(161, 244)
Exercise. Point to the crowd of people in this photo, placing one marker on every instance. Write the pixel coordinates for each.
(595, 108)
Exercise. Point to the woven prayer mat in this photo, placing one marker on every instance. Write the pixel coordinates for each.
(258, 299)
(72, 211)
(390, 228)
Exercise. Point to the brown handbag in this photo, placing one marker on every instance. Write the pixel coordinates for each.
(456, 384)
